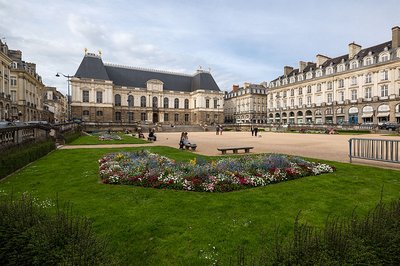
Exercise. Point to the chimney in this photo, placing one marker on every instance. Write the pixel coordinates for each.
(15, 55)
(353, 49)
(287, 70)
(321, 59)
(395, 37)
(302, 66)
(235, 88)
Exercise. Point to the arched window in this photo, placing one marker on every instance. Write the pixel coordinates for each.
(299, 113)
(207, 103)
(340, 68)
(155, 102)
(186, 104)
(329, 85)
(130, 101)
(384, 57)
(354, 64)
(117, 100)
(99, 113)
(85, 112)
(143, 101)
(308, 113)
(309, 89)
(166, 102)
(176, 103)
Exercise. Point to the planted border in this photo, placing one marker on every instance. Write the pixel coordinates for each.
(147, 169)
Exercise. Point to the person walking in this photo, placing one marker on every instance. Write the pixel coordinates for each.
(220, 129)
(217, 130)
(181, 144)
(252, 131)
(255, 131)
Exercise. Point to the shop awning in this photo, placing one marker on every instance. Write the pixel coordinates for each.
(383, 114)
(366, 115)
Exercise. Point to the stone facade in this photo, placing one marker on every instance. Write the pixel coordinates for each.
(361, 87)
(110, 93)
(247, 104)
(56, 103)
(6, 105)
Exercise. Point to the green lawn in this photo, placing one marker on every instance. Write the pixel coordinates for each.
(165, 227)
(94, 140)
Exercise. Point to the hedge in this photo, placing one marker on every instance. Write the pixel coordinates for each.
(16, 158)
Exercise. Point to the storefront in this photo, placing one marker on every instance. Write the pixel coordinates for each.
(367, 114)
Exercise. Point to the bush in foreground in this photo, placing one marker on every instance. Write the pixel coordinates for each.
(370, 240)
(40, 233)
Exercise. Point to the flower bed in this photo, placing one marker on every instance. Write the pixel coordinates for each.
(107, 136)
(147, 169)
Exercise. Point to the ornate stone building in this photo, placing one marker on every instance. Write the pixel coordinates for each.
(247, 104)
(56, 103)
(26, 89)
(5, 95)
(362, 86)
(112, 93)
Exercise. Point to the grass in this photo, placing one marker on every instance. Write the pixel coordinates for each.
(94, 140)
(167, 227)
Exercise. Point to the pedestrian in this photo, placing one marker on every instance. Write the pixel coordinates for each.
(181, 141)
(220, 129)
(217, 132)
(252, 131)
(255, 131)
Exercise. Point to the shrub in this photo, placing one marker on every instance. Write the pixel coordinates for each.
(40, 233)
(370, 240)
(18, 157)
(71, 136)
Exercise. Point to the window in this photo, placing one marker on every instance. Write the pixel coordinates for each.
(186, 104)
(85, 112)
(99, 96)
(186, 117)
(385, 75)
(353, 80)
(143, 102)
(166, 117)
(329, 71)
(215, 103)
(330, 85)
(176, 117)
(13, 81)
(143, 116)
(318, 87)
(368, 61)
(292, 92)
(300, 78)
(300, 91)
(384, 90)
(368, 78)
(117, 99)
(284, 94)
(166, 102)
(384, 57)
(341, 96)
(318, 73)
(292, 102)
(130, 101)
(308, 100)
(176, 103)
(341, 83)
(85, 96)
(13, 96)
(207, 103)
(354, 64)
(300, 101)
(99, 113)
(329, 98)
(118, 116)
(368, 93)
(130, 116)
(340, 68)
(195, 104)
(354, 95)
(309, 75)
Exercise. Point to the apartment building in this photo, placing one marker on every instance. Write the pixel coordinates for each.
(362, 86)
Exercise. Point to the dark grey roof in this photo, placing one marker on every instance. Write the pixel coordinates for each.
(334, 61)
(93, 67)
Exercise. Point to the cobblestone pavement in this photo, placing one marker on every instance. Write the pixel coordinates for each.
(320, 146)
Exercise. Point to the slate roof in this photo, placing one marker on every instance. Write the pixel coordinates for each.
(93, 67)
(337, 60)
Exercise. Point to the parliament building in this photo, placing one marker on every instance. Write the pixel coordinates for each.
(113, 93)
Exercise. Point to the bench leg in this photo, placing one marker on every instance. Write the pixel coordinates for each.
(246, 150)
(235, 151)
(223, 152)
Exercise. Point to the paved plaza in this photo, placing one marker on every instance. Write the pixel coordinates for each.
(320, 146)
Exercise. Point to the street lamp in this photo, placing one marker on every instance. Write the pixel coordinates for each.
(68, 94)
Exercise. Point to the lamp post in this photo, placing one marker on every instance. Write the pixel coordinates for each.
(68, 94)
(129, 108)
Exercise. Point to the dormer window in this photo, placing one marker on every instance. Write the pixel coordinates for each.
(340, 68)
(384, 57)
(368, 61)
(354, 64)
(300, 78)
(309, 75)
(318, 73)
(329, 70)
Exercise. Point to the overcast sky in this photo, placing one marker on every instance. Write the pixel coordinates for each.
(241, 41)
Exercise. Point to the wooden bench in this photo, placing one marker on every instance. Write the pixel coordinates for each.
(235, 149)
(191, 146)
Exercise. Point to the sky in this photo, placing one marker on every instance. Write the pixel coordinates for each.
(238, 41)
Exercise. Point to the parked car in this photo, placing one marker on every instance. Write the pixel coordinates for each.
(38, 123)
(4, 124)
(20, 124)
(389, 126)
